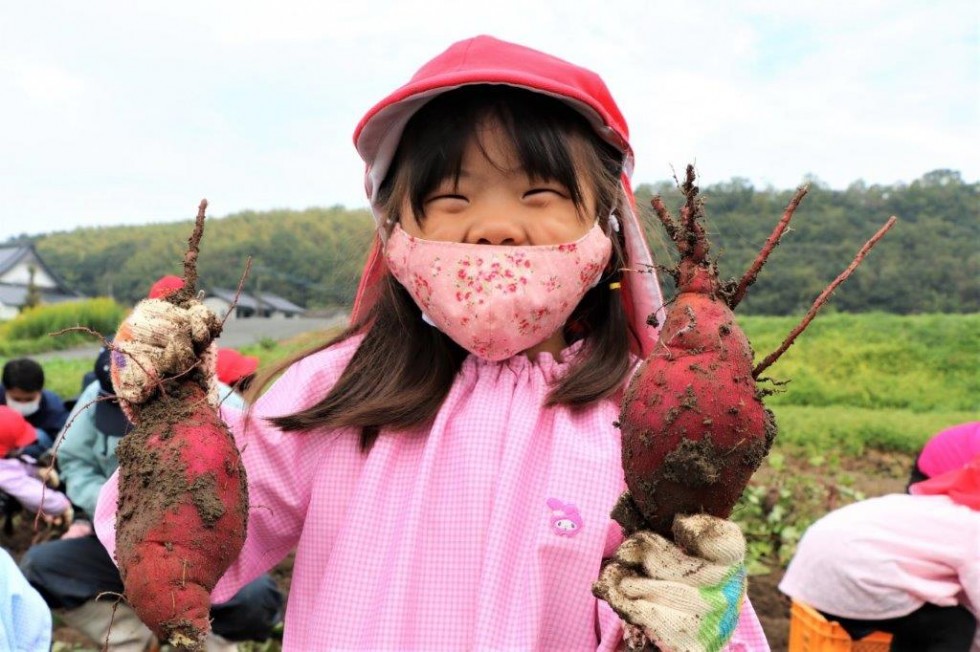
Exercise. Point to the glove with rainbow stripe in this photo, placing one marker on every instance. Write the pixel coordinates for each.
(683, 597)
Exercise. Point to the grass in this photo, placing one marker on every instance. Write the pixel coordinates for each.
(875, 361)
(842, 431)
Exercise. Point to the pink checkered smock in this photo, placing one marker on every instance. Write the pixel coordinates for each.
(484, 531)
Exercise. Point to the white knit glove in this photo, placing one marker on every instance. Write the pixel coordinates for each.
(680, 601)
(159, 340)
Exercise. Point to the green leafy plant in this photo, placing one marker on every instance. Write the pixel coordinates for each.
(774, 514)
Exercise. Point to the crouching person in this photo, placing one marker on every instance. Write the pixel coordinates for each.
(77, 576)
(22, 483)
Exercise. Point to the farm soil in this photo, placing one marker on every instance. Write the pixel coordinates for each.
(875, 473)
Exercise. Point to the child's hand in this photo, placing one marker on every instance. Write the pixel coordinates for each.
(49, 476)
(680, 601)
(159, 339)
(58, 520)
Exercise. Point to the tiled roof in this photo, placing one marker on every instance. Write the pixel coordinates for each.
(10, 255)
(246, 300)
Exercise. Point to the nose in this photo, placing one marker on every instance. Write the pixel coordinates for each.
(496, 228)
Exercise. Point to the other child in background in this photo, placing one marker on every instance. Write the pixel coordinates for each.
(20, 478)
(235, 370)
(22, 390)
(904, 564)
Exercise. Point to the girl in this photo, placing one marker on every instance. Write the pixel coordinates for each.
(445, 469)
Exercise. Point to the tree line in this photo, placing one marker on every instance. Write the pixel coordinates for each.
(928, 263)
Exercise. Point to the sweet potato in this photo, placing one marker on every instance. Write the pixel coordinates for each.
(183, 499)
(693, 422)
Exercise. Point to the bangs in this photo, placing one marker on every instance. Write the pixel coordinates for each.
(549, 140)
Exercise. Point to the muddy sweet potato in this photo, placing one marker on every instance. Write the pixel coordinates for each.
(693, 422)
(183, 500)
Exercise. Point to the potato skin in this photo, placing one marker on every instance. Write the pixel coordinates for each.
(694, 426)
(182, 513)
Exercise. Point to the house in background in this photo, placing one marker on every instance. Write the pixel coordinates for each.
(17, 266)
(264, 304)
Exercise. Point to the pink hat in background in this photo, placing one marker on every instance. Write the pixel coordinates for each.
(165, 286)
(232, 366)
(950, 449)
(15, 432)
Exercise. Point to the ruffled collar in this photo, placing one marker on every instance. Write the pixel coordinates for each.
(552, 366)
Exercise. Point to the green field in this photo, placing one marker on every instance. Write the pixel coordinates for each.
(871, 380)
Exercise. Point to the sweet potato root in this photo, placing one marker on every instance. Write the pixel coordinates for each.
(694, 425)
(183, 499)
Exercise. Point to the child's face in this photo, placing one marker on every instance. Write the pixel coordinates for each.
(496, 203)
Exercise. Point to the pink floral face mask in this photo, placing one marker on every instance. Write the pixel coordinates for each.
(497, 300)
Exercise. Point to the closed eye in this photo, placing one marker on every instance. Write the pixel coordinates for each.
(446, 196)
(538, 192)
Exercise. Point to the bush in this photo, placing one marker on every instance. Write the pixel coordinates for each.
(33, 330)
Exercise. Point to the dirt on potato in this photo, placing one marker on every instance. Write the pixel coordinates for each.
(143, 468)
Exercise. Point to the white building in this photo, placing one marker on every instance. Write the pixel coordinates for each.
(220, 300)
(17, 265)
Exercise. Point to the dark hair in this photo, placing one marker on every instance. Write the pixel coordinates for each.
(244, 383)
(403, 369)
(23, 373)
(917, 474)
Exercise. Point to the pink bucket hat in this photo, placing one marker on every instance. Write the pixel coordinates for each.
(950, 449)
(486, 60)
(961, 484)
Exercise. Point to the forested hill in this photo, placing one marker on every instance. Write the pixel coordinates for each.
(930, 261)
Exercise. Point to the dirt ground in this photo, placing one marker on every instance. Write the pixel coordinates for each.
(872, 474)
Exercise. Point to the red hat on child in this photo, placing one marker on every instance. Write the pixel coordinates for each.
(486, 60)
(165, 286)
(232, 366)
(15, 432)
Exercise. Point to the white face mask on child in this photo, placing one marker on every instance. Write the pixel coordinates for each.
(497, 300)
(25, 408)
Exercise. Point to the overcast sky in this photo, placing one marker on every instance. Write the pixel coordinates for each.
(130, 112)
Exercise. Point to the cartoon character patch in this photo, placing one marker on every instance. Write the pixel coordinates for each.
(565, 519)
